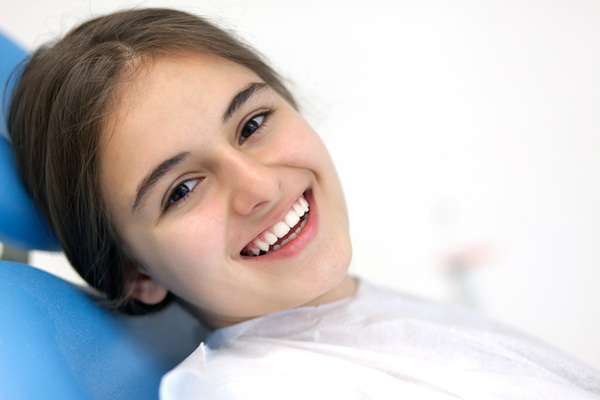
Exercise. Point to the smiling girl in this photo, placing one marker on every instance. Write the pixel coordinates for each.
(232, 210)
(171, 161)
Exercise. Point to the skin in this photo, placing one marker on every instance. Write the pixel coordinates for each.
(231, 192)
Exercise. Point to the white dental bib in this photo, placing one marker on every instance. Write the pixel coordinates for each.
(377, 344)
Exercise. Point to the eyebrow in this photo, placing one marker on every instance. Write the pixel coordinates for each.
(153, 177)
(242, 97)
(166, 166)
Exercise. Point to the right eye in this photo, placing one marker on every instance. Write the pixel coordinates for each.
(181, 192)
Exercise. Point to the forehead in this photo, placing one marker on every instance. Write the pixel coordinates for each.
(168, 93)
(177, 79)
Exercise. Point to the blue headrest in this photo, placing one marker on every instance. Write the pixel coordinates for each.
(11, 56)
(56, 343)
(21, 223)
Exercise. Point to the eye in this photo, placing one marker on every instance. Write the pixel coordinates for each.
(250, 127)
(253, 125)
(181, 192)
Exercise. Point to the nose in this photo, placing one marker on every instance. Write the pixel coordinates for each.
(253, 183)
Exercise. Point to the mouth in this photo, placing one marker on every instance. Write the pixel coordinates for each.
(281, 233)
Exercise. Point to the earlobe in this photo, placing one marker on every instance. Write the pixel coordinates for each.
(146, 290)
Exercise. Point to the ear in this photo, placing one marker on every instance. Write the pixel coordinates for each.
(145, 289)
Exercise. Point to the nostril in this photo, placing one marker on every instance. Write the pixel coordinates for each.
(259, 206)
(251, 194)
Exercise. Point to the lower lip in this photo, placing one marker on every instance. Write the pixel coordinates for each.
(296, 245)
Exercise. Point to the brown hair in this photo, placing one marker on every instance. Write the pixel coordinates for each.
(59, 111)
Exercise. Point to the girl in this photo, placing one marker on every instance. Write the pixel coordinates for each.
(171, 161)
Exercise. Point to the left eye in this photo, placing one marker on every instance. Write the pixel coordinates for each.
(250, 127)
(253, 126)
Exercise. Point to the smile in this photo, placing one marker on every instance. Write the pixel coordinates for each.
(280, 233)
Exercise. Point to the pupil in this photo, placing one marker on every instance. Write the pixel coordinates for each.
(180, 192)
(250, 128)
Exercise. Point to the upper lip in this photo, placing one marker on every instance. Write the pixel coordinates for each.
(275, 217)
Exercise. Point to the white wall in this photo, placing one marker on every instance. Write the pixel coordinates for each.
(460, 128)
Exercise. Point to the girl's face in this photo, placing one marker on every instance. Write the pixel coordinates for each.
(203, 167)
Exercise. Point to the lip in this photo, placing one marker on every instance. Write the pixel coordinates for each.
(299, 242)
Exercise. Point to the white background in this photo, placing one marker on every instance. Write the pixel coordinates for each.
(466, 134)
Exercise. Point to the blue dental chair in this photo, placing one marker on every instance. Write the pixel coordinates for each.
(56, 342)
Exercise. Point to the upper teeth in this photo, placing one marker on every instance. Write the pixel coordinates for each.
(270, 238)
(280, 229)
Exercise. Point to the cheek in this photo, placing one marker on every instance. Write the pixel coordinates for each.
(298, 145)
(183, 253)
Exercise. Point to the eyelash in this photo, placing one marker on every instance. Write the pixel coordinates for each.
(264, 114)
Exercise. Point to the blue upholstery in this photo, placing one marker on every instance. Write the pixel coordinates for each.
(56, 342)
(12, 55)
(21, 224)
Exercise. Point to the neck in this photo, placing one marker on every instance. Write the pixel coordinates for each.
(346, 288)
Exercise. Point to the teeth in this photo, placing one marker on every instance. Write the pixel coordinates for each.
(270, 238)
(291, 218)
(304, 204)
(261, 245)
(299, 210)
(281, 229)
